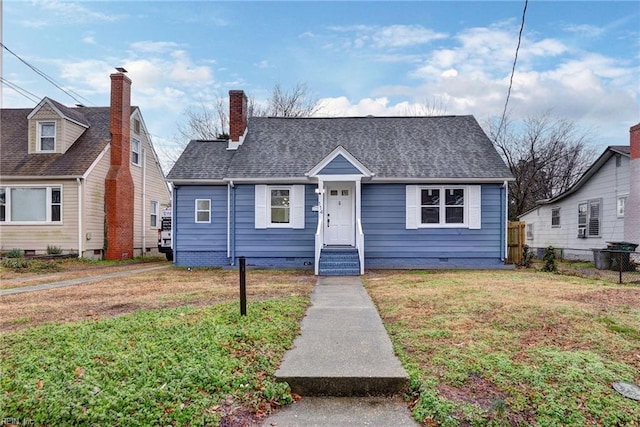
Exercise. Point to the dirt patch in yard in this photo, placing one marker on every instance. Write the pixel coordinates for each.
(171, 287)
(609, 298)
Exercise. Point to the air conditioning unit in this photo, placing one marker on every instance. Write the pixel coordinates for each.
(582, 233)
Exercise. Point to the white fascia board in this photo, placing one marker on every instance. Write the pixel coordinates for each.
(274, 180)
(198, 181)
(46, 100)
(96, 161)
(37, 178)
(340, 150)
(441, 180)
(341, 178)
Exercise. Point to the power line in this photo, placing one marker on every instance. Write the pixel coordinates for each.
(513, 70)
(69, 92)
(20, 90)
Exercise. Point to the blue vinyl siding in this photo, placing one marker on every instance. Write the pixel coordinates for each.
(193, 241)
(388, 243)
(340, 166)
(266, 246)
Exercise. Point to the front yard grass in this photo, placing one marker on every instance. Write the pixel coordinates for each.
(183, 366)
(513, 348)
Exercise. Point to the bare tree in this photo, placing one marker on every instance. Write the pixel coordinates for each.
(435, 107)
(294, 102)
(546, 155)
(205, 122)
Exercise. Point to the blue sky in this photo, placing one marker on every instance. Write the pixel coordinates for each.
(578, 59)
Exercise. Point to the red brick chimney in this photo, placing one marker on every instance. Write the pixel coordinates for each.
(118, 183)
(632, 208)
(237, 114)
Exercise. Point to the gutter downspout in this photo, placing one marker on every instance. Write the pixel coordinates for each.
(232, 234)
(505, 228)
(229, 184)
(80, 208)
(143, 249)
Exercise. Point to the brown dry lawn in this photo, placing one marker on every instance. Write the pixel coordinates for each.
(170, 287)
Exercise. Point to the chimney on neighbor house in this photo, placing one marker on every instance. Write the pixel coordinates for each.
(237, 115)
(118, 183)
(632, 208)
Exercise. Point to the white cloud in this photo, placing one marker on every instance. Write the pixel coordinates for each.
(89, 39)
(585, 30)
(397, 36)
(75, 12)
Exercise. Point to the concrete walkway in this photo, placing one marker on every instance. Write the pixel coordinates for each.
(77, 281)
(343, 352)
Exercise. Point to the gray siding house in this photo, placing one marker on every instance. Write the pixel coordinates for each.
(588, 215)
(341, 194)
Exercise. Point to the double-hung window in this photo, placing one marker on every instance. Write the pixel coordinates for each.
(443, 206)
(622, 201)
(203, 211)
(153, 219)
(555, 217)
(589, 218)
(279, 206)
(135, 151)
(46, 137)
(27, 204)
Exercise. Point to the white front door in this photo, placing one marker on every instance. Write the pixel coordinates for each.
(339, 215)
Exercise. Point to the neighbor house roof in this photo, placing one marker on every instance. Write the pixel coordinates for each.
(609, 152)
(448, 147)
(17, 162)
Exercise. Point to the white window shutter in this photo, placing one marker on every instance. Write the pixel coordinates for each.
(475, 201)
(412, 203)
(261, 206)
(297, 201)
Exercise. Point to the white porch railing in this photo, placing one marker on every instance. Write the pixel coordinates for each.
(359, 244)
(318, 247)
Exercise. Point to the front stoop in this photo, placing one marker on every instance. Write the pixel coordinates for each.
(343, 349)
(339, 262)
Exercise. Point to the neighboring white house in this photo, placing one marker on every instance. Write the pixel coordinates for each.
(588, 215)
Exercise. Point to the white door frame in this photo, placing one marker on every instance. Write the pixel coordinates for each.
(351, 216)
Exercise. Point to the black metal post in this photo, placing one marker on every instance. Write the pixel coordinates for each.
(620, 266)
(243, 287)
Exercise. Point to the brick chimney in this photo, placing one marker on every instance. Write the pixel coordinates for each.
(118, 183)
(237, 116)
(632, 208)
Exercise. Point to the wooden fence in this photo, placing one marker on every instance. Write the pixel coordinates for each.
(515, 242)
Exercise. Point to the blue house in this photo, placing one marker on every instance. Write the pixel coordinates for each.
(341, 194)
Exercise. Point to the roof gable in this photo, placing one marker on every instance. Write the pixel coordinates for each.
(63, 111)
(339, 162)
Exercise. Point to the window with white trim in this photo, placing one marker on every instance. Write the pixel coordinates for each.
(153, 212)
(443, 206)
(555, 217)
(26, 204)
(529, 231)
(203, 211)
(622, 202)
(46, 137)
(589, 218)
(135, 151)
(280, 212)
(279, 206)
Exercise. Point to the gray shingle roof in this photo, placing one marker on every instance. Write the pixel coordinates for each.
(390, 147)
(16, 161)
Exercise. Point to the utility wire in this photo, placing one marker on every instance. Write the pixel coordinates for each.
(22, 91)
(69, 92)
(513, 71)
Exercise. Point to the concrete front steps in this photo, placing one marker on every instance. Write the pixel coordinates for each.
(339, 262)
(343, 349)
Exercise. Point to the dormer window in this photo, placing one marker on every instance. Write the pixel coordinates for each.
(47, 137)
(135, 151)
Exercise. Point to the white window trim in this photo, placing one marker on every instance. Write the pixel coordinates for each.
(471, 208)
(586, 226)
(624, 205)
(153, 212)
(196, 211)
(559, 225)
(39, 136)
(530, 231)
(138, 163)
(263, 206)
(47, 221)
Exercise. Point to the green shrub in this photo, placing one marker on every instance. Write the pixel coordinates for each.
(16, 264)
(15, 253)
(527, 256)
(54, 250)
(550, 262)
